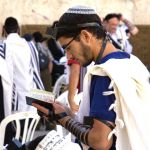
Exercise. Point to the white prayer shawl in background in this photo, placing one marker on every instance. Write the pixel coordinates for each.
(6, 83)
(35, 67)
(130, 81)
(22, 70)
(121, 38)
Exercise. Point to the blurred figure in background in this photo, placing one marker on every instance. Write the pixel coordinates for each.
(5, 93)
(28, 37)
(5, 85)
(23, 72)
(58, 54)
(119, 30)
(22, 65)
(129, 27)
(45, 59)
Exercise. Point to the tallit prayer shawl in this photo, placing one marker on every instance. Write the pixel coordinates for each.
(6, 84)
(35, 65)
(130, 81)
(23, 67)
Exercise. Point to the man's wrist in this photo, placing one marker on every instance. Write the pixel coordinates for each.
(63, 120)
(60, 116)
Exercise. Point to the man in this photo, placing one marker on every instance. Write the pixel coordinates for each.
(116, 89)
(5, 86)
(45, 59)
(5, 93)
(58, 55)
(119, 29)
(22, 63)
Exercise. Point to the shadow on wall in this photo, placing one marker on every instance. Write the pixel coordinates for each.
(33, 28)
(140, 42)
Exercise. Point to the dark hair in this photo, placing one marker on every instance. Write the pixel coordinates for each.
(50, 29)
(27, 36)
(11, 25)
(54, 23)
(38, 37)
(112, 15)
(69, 22)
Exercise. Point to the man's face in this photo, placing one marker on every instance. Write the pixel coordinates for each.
(111, 25)
(77, 49)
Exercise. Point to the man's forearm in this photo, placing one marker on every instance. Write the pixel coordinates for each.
(132, 28)
(95, 137)
(73, 84)
(79, 130)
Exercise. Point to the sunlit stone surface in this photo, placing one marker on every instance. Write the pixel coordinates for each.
(46, 11)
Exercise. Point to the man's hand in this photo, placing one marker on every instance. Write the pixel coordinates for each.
(74, 107)
(57, 108)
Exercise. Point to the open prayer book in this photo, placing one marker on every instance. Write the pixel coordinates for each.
(39, 97)
(54, 141)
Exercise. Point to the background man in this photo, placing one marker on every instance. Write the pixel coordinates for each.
(120, 30)
(22, 63)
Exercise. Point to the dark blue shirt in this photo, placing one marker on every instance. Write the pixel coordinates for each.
(99, 104)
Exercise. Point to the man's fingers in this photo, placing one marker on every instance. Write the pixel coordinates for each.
(41, 108)
(57, 108)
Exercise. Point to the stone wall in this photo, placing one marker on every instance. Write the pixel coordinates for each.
(46, 11)
(141, 44)
(34, 15)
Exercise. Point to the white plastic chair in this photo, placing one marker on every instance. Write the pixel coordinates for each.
(62, 80)
(29, 126)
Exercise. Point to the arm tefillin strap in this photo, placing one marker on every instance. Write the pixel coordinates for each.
(90, 121)
(79, 130)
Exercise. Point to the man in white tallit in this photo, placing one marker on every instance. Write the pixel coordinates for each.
(6, 86)
(22, 63)
(114, 112)
(120, 30)
(5, 93)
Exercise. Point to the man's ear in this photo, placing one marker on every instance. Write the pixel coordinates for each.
(85, 36)
(18, 31)
(3, 32)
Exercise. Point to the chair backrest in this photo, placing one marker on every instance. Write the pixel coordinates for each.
(62, 80)
(31, 120)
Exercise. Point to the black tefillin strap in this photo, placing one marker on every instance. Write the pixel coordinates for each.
(70, 27)
(101, 50)
(98, 60)
(90, 121)
(81, 131)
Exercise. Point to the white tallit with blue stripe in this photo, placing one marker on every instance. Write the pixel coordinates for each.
(36, 67)
(130, 81)
(6, 83)
(23, 66)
